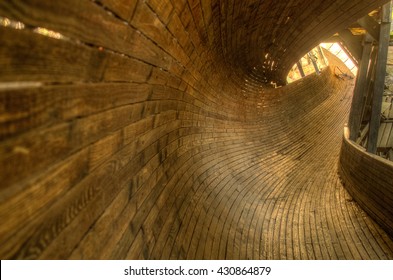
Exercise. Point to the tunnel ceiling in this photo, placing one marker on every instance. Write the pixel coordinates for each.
(259, 40)
(265, 38)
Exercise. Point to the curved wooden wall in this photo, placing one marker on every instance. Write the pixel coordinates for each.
(145, 129)
(369, 180)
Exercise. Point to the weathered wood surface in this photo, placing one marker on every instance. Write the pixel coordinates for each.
(372, 187)
(144, 133)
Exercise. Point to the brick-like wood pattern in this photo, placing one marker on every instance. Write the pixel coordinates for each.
(369, 179)
(147, 131)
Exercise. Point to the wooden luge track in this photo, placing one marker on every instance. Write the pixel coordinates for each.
(131, 136)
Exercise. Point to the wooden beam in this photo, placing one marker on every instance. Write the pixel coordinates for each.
(320, 51)
(354, 59)
(352, 42)
(360, 90)
(300, 67)
(314, 62)
(366, 105)
(379, 78)
(371, 26)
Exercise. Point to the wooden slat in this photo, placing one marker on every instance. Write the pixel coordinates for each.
(27, 108)
(73, 19)
(125, 8)
(26, 56)
(381, 134)
(386, 136)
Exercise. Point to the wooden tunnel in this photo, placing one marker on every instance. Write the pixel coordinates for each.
(163, 129)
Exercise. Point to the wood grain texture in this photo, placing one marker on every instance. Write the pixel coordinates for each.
(147, 131)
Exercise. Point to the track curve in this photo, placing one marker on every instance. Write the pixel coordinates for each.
(149, 130)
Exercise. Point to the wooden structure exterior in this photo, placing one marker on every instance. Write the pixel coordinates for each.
(150, 129)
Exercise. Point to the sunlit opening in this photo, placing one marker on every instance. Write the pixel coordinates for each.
(315, 61)
(337, 50)
(312, 62)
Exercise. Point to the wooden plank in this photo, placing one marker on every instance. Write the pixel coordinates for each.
(92, 196)
(26, 154)
(379, 79)
(163, 9)
(359, 91)
(28, 108)
(385, 109)
(176, 27)
(381, 134)
(390, 114)
(27, 56)
(35, 196)
(73, 19)
(363, 134)
(371, 25)
(352, 45)
(300, 67)
(124, 8)
(390, 141)
(366, 105)
(386, 135)
(146, 21)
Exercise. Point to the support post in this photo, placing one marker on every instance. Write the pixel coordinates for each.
(300, 67)
(379, 79)
(320, 51)
(314, 63)
(355, 114)
(366, 105)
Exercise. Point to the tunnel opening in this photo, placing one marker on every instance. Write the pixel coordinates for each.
(313, 61)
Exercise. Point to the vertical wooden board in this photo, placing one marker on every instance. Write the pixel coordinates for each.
(390, 141)
(381, 133)
(386, 134)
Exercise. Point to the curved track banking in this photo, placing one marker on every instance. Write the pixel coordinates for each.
(150, 130)
(270, 189)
